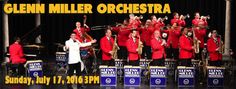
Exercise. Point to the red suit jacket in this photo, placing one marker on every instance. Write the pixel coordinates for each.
(16, 54)
(186, 50)
(196, 22)
(123, 35)
(211, 47)
(106, 47)
(200, 34)
(134, 23)
(173, 37)
(158, 25)
(146, 34)
(178, 21)
(158, 51)
(131, 47)
(80, 33)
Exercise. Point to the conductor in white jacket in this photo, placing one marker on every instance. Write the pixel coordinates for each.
(74, 60)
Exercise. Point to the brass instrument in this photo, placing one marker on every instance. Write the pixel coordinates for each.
(184, 16)
(163, 19)
(221, 46)
(196, 43)
(207, 17)
(139, 17)
(115, 48)
(140, 47)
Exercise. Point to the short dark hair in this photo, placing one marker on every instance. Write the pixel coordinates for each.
(107, 30)
(16, 39)
(175, 13)
(134, 30)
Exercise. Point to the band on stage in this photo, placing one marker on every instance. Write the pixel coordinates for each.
(134, 40)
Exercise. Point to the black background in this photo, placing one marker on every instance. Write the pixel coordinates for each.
(56, 28)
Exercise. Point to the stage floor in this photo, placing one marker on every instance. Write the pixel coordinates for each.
(49, 70)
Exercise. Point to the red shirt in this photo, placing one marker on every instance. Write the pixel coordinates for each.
(79, 34)
(186, 50)
(173, 37)
(146, 34)
(132, 49)
(158, 50)
(196, 22)
(123, 35)
(200, 35)
(211, 47)
(134, 23)
(106, 47)
(16, 54)
(158, 25)
(178, 21)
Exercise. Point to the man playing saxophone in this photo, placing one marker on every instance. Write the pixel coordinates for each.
(214, 47)
(133, 45)
(106, 45)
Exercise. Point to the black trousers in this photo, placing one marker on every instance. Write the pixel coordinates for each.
(147, 50)
(19, 67)
(216, 63)
(158, 62)
(198, 56)
(134, 62)
(185, 62)
(122, 53)
(108, 62)
(172, 53)
(73, 67)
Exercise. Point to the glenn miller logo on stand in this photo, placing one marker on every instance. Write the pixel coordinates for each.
(132, 76)
(108, 76)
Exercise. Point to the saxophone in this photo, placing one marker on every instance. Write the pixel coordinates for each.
(195, 43)
(140, 46)
(115, 48)
(221, 45)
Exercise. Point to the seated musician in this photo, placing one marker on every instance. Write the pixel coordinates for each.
(17, 55)
(106, 44)
(186, 48)
(79, 31)
(214, 44)
(158, 49)
(132, 47)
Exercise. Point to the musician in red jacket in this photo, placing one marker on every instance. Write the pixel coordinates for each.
(178, 20)
(158, 49)
(134, 21)
(79, 31)
(132, 47)
(174, 33)
(123, 32)
(200, 34)
(146, 34)
(157, 23)
(17, 55)
(213, 47)
(198, 20)
(106, 44)
(186, 48)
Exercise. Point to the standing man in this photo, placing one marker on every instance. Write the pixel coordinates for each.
(214, 44)
(132, 47)
(80, 31)
(106, 44)
(123, 32)
(186, 48)
(75, 62)
(158, 50)
(134, 21)
(17, 55)
(146, 34)
(174, 33)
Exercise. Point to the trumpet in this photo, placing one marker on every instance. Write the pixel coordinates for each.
(163, 19)
(139, 17)
(184, 16)
(206, 17)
